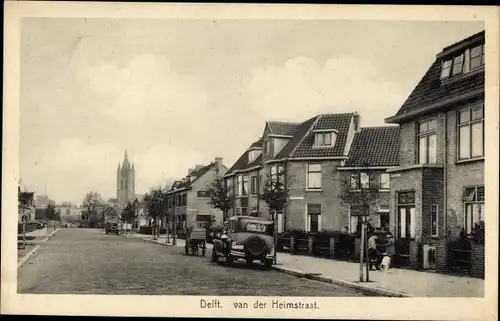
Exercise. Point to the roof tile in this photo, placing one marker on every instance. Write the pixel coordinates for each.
(375, 146)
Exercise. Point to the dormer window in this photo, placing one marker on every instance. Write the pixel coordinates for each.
(476, 57)
(324, 139)
(465, 61)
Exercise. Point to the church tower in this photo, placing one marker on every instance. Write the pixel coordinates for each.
(125, 182)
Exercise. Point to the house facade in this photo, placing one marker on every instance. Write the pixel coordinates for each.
(438, 188)
(26, 206)
(366, 183)
(244, 181)
(188, 199)
(312, 159)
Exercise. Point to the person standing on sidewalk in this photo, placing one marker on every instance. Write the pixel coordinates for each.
(389, 248)
(372, 251)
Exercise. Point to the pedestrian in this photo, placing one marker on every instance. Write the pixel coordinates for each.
(389, 248)
(372, 252)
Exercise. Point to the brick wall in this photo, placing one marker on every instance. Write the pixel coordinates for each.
(334, 214)
(477, 259)
(459, 175)
(432, 193)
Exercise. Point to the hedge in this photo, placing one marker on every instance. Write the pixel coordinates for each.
(30, 227)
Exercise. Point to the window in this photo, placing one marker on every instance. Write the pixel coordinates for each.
(313, 176)
(266, 147)
(458, 65)
(474, 206)
(313, 217)
(245, 185)
(239, 185)
(476, 57)
(468, 60)
(203, 194)
(427, 141)
(446, 68)
(471, 132)
(325, 139)
(253, 185)
(358, 182)
(434, 220)
(353, 224)
(407, 223)
(385, 181)
(251, 156)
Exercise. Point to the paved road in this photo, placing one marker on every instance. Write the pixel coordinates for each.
(88, 261)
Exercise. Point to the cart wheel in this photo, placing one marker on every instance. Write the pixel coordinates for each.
(203, 251)
(214, 256)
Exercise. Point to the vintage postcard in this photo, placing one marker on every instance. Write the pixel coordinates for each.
(213, 160)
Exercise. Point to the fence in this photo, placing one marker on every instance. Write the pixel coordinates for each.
(338, 246)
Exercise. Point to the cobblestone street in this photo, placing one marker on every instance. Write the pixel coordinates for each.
(88, 261)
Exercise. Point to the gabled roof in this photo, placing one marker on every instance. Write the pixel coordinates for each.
(242, 162)
(431, 91)
(282, 128)
(302, 144)
(197, 173)
(375, 146)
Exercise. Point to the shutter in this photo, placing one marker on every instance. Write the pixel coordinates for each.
(320, 225)
(412, 223)
(280, 223)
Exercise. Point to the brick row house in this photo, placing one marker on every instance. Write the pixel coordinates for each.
(188, 199)
(312, 159)
(366, 188)
(438, 187)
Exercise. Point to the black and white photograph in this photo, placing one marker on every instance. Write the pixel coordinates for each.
(262, 165)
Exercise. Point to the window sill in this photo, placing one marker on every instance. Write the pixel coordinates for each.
(314, 190)
(469, 160)
(384, 190)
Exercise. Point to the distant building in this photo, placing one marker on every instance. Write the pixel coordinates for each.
(188, 198)
(125, 182)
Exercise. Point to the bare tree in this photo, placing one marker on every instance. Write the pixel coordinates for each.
(90, 203)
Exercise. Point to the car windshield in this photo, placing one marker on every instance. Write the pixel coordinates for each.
(256, 227)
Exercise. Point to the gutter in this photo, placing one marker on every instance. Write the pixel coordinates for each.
(360, 167)
(434, 107)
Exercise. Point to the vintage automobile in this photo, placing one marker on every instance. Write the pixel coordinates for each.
(245, 237)
(112, 227)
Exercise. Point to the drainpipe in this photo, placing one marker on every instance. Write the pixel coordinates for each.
(445, 178)
(285, 180)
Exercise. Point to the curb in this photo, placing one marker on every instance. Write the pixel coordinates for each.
(153, 242)
(353, 285)
(27, 256)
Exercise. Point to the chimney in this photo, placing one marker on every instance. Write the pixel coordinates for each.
(190, 171)
(198, 167)
(218, 160)
(356, 122)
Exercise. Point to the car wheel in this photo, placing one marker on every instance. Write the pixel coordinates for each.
(249, 261)
(229, 260)
(268, 264)
(214, 256)
(106, 232)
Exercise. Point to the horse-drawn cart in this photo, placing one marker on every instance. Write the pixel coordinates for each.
(196, 240)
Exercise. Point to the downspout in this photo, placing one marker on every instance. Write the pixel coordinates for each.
(445, 178)
(285, 180)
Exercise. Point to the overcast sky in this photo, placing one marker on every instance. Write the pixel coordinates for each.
(177, 93)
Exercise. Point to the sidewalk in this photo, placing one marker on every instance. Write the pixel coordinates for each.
(161, 241)
(40, 232)
(404, 282)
